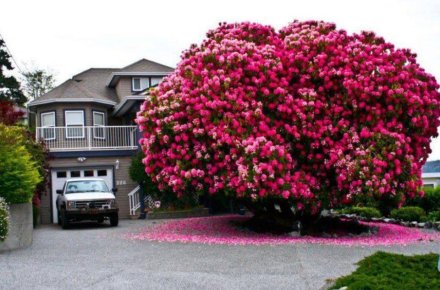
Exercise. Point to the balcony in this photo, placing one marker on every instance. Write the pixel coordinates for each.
(88, 138)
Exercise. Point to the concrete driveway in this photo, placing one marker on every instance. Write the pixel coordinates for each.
(91, 256)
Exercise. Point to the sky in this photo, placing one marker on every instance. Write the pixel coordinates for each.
(67, 37)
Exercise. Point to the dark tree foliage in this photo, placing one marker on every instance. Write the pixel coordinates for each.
(9, 86)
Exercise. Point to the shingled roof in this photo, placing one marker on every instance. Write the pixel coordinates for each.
(91, 85)
(431, 167)
(145, 65)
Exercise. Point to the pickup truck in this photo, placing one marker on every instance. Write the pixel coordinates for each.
(86, 199)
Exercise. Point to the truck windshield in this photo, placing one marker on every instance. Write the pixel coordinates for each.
(79, 186)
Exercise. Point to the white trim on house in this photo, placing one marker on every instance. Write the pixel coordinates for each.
(98, 131)
(73, 124)
(431, 175)
(48, 129)
(71, 100)
(122, 107)
(142, 84)
(114, 76)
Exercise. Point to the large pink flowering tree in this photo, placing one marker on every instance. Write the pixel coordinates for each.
(306, 118)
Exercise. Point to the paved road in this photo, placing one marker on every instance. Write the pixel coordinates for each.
(98, 257)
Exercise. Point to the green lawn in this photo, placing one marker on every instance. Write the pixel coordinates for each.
(392, 271)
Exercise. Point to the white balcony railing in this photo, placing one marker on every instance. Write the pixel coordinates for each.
(80, 138)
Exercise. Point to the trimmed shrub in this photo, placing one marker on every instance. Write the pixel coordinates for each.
(4, 219)
(366, 212)
(389, 271)
(409, 213)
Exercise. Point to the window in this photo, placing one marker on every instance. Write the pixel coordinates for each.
(88, 173)
(155, 81)
(102, 172)
(74, 124)
(98, 125)
(61, 174)
(428, 185)
(48, 126)
(75, 174)
(140, 84)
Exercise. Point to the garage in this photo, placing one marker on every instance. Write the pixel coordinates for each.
(59, 176)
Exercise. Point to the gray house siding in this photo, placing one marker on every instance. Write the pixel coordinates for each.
(123, 88)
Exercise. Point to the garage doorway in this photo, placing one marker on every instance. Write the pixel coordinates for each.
(59, 176)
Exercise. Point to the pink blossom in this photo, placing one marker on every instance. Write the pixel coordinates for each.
(309, 109)
(221, 230)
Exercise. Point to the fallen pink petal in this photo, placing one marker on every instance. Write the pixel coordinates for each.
(221, 230)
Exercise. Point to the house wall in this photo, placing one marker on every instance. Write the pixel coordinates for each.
(433, 180)
(122, 181)
(123, 87)
(60, 108)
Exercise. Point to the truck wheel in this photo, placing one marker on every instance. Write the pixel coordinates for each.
(100, 220)
(59, 217)
(114, 220)
(64, 221)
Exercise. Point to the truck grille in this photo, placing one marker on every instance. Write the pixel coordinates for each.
(91, 204)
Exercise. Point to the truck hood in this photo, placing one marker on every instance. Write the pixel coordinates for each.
(89, 196)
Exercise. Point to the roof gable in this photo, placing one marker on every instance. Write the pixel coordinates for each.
(431, 166)
(145, 65)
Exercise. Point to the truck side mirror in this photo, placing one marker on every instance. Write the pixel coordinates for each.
(59, 191)
(114, 190)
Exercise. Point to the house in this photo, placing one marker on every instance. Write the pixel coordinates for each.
(431, 174)
(88, 126)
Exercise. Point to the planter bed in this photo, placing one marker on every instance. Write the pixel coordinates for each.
(414, 224)
(195, 212)
(20, 227)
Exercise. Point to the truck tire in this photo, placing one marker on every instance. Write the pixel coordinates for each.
(64, 220)
(59, 217)
(114, 220)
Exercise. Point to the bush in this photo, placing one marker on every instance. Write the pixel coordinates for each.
(4, 220)
(388, 271)
(367, 212)
(429, 202)
(168, 199)
(434, 216)
(18, 173)
(409, 213)
(302, 117)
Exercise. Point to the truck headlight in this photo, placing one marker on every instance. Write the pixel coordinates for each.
(71, 204)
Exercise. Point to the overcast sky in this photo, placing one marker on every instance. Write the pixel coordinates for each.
(67, 37)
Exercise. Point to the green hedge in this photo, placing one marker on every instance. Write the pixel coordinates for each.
(18, 173)
(388, 271)
(4, 220)
(367, 212)
(430, 202)
(409, 213)
(434, 216)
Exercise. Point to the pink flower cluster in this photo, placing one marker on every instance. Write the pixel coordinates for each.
(220, 230)
(310, 114)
